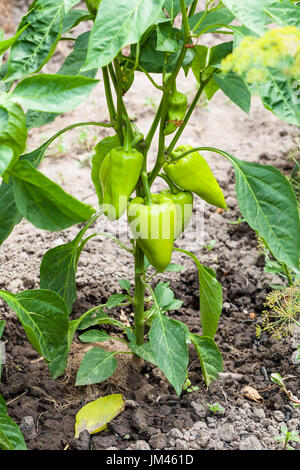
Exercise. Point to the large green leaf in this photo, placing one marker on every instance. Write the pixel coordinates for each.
(42, 27)
(44, 317)
(250, 12)
(96, 366)
(13, 134)
(281, 97)
(119, 24)
(204, 22)
(283, 13)
(9, 215)
(53, 93)
(71, 66)
(209, 356)
(169, 349)
(210, 294)
(60, 361)
(58, 268)
(11, 437)
(268, 203)
(235, 88)
(73, 18)
(44, 203)
(7, 43)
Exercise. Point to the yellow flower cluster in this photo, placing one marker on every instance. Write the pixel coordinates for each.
(278, 48)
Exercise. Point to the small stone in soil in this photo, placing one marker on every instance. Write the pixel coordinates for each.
(27, 427)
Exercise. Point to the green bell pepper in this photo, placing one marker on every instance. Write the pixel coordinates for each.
(177, 106)
(183, 201)
(153, 228)
(119, 174)
(192, 173)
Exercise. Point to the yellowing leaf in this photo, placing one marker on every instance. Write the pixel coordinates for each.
(94, 416)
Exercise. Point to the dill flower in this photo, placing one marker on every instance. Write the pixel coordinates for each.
(283, 312)
(278, 48)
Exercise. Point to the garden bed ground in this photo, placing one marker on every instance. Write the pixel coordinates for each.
(154, 417)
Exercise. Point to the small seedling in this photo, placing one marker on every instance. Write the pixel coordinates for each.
(210, 246)
(287, 436)
(188, 387)
(236, 222)
(278, 380)
(215, 408)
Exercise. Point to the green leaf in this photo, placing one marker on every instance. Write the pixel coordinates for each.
(7, 43)
(119, 24)
(53, 93)
(281, 98)
(98, 318)
(173, 6)
(251, 13)
(58, 268)
(94, 336)
(209, 356)
(43, 203)
(42, 27)
(96, 366)
(44, 317)
(2, 325)
(164, 295)
(209, 22)
(13, 135)
(200, 61)
(174, 267)
(73, 18)
(284, 13)
(125, 284)
(115, 300)
(3, 407)
(219, 52)
(167, 339)
(9, 215)
(76, 59)
(11, 437)
(211, 298)
(101, 150)
(71, 66)
(267, 202)
(60, 361)
(235, 88)
(166, 39)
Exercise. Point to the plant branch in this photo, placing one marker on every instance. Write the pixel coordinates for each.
(119, 120)
(108, 94)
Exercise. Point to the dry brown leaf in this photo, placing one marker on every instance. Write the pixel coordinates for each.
(252, 394)
(124, 319)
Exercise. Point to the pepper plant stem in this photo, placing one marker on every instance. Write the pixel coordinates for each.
(109, 98)
(119, 119)
(138, 298)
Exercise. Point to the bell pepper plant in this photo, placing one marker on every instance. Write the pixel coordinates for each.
(160, 39)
